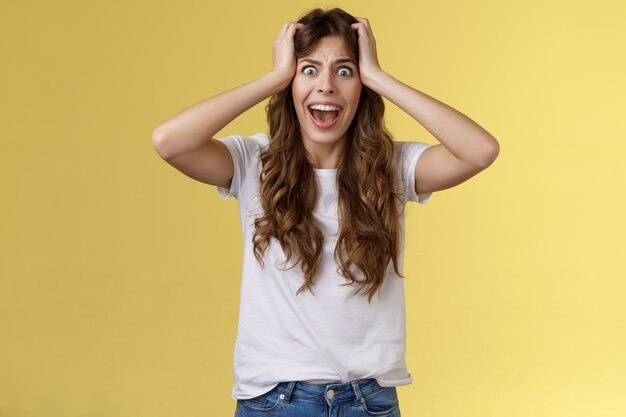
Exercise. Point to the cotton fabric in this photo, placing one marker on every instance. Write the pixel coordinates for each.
(331, 335)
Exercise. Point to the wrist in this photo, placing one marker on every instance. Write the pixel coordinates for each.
(374, 79)
(280, 79)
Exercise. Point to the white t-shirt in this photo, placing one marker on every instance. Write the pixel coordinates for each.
(332, 335)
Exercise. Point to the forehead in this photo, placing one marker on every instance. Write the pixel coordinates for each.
(329, 48)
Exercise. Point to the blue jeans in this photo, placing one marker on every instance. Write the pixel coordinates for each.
(360, 398)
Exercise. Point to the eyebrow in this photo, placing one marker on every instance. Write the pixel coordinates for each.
(337, 61)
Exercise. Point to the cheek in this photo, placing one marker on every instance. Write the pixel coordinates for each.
(298, 98)
(298, 86)
(298, 94)
(354, 91)
(354, 95)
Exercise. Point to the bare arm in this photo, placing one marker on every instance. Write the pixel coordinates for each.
(186, 140)
(191, 128)
(465, 149)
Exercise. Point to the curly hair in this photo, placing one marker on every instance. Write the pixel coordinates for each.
(368, 204)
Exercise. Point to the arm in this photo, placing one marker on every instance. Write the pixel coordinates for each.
(192, 127)
(466, 148)
(186, 140)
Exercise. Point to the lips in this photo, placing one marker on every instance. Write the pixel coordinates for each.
(324, 115)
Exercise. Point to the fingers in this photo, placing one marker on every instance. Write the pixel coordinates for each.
(283, 50)
(363, 23)
(283, 29)
(293, 28)
(368, 57)
(289, 28)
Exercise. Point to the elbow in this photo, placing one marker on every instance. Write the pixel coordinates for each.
(491, 153)
(159, 142)
(494, 152)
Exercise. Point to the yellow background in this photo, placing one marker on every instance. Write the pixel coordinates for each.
(120, 276)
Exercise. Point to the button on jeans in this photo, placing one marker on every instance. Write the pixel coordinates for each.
(360, 398)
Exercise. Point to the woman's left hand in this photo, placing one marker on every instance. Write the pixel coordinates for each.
(368, 57)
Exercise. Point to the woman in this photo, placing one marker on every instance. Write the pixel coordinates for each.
(322, 318)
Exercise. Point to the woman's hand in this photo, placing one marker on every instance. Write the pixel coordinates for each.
(368, 57)
(283, 53)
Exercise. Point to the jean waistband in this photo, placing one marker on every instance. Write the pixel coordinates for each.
(332, 391)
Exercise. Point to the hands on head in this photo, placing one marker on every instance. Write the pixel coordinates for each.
(284, 58)
(283, 51)
(368, 57)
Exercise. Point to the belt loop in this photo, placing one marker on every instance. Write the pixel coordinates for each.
(287, 395)
(357, 391)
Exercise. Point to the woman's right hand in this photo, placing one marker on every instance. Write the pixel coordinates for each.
(283, 53)
(187, 133)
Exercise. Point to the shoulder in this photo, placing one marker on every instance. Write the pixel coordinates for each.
(258, 143)
(407, 153)
(406, 146)
(245, 148)
(257, 140)
(261, 139)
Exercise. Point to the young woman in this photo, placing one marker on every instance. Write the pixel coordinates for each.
(322, 316)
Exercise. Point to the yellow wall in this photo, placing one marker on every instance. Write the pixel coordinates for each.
(120, 276)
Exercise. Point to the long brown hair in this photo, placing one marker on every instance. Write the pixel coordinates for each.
(369, 206)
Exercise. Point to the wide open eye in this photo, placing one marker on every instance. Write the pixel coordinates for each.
(344, 72)
(309, 70)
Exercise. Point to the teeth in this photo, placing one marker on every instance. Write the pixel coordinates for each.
(324, 107)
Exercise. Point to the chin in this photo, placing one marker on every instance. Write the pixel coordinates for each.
(324, 138)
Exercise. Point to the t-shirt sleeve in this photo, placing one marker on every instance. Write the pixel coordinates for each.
(242, 150)
(411, 151)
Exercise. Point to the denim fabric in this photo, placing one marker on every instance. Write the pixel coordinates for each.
(360, 398)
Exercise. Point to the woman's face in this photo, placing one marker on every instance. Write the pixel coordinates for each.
(326, 90)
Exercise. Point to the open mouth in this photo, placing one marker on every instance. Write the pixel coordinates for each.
(324, 116)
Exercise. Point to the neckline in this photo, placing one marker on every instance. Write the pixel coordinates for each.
(325, 172)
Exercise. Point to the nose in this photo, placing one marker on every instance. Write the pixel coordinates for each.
(326, 83)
